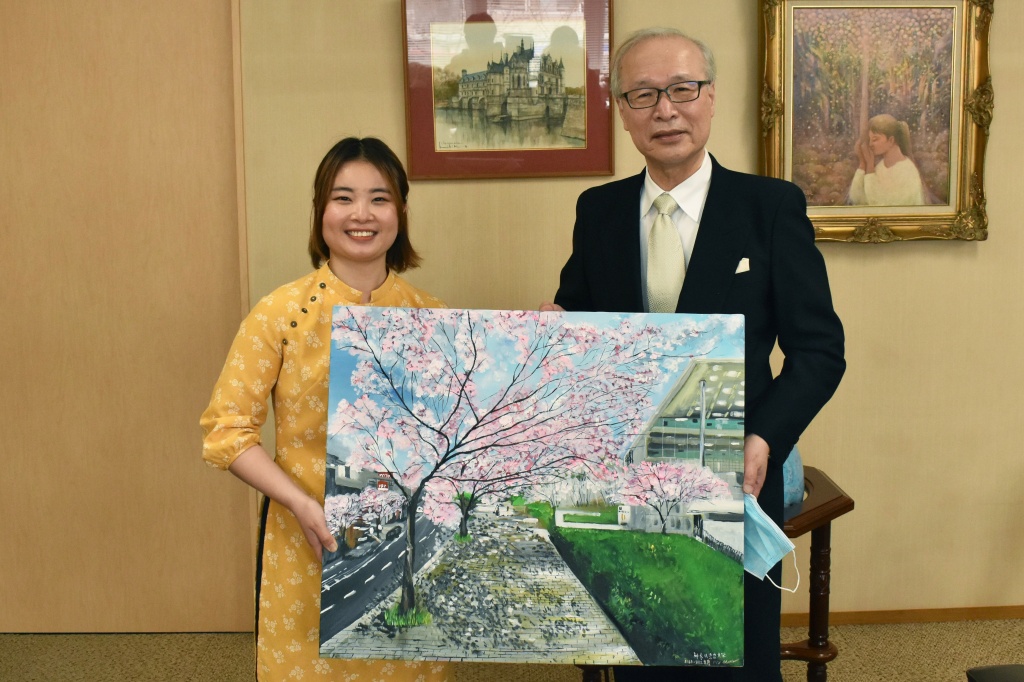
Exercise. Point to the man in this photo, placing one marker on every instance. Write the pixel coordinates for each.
(746, 247)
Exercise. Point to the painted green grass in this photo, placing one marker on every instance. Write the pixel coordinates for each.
(418, 616)
(542, 512)
(675, 600)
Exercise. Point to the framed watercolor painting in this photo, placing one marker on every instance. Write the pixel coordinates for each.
(880, 112)
(519, 91)
(515, 486)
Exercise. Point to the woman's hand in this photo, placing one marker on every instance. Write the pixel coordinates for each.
(310, 516)
(867, 162)
(255, 467)
(858, 148)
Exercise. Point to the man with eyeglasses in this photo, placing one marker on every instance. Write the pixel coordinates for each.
(687, 235)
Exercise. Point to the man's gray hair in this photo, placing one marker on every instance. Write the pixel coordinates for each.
(645, 34)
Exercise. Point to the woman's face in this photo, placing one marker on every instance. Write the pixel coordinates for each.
(879, 143)
(361, 218)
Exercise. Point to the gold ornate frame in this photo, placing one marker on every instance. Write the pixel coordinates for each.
(964, 216)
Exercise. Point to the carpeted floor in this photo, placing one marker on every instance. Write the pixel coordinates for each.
(917, 652)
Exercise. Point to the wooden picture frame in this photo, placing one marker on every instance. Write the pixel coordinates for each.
(832, 68)
(520, 92)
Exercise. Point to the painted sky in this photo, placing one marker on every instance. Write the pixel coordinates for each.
(724, 341)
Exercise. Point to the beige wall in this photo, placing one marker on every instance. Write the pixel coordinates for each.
(119, 285)
(919, 432)
(119, 292)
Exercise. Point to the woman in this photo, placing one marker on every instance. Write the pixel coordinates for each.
(358, 242)
(893, 180)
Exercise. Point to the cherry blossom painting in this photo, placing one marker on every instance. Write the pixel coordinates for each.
(517, 486)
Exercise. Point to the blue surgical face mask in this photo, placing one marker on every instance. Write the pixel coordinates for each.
(764, 543)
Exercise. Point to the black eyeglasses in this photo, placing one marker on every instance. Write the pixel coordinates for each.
(645, 98)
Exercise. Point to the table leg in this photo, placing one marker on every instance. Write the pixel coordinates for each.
(816, 649)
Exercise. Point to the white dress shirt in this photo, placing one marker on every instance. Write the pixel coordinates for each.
(689, 195)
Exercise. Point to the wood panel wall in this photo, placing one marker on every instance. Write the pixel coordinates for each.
(120, 293)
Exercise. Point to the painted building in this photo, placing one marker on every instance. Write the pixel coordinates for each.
(518, 86)
(680, 427)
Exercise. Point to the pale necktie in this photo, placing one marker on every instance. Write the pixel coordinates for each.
(666, 264)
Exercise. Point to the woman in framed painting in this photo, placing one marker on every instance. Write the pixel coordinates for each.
(886, 174)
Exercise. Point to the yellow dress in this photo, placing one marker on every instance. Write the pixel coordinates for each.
(283, 349)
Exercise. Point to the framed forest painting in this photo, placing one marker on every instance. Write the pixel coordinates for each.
(879, 111)
(516, 486)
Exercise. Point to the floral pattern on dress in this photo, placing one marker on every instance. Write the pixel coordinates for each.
(282, 352)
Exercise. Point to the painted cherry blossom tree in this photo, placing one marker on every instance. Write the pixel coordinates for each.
(378, 506)
(492, 401)
(580, 487)
(438, 507)
(342, 512)
(488, 479)
(667, 487)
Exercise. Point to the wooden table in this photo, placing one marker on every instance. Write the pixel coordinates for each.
(824, 501)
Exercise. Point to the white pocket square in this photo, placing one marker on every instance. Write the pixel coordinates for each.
(743, 266)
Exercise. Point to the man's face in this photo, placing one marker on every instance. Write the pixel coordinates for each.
(671, 136)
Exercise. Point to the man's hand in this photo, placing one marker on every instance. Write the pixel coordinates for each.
(549, 307)
(755, 463)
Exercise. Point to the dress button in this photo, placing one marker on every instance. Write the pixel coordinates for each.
(312, 298)
(284, 341)
(322, 285)
(294, 323)
(304, 310)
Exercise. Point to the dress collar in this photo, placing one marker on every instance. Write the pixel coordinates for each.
(349, 295)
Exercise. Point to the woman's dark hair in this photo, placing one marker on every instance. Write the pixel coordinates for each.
(401, 256)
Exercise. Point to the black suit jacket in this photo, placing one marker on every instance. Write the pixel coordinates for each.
(785, 297)
(784, 294)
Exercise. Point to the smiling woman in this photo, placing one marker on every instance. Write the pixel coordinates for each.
(360, 224)
(360, 221)
(359, 240)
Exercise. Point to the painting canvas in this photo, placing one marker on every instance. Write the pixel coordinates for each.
(517, 486)
(864, 74)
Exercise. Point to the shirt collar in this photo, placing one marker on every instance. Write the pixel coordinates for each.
(689, 194)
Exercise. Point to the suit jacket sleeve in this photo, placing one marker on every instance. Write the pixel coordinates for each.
(603, 270)
(573, 290)
(810, 334)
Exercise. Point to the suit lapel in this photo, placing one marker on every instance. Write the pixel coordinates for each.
(717, 250)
